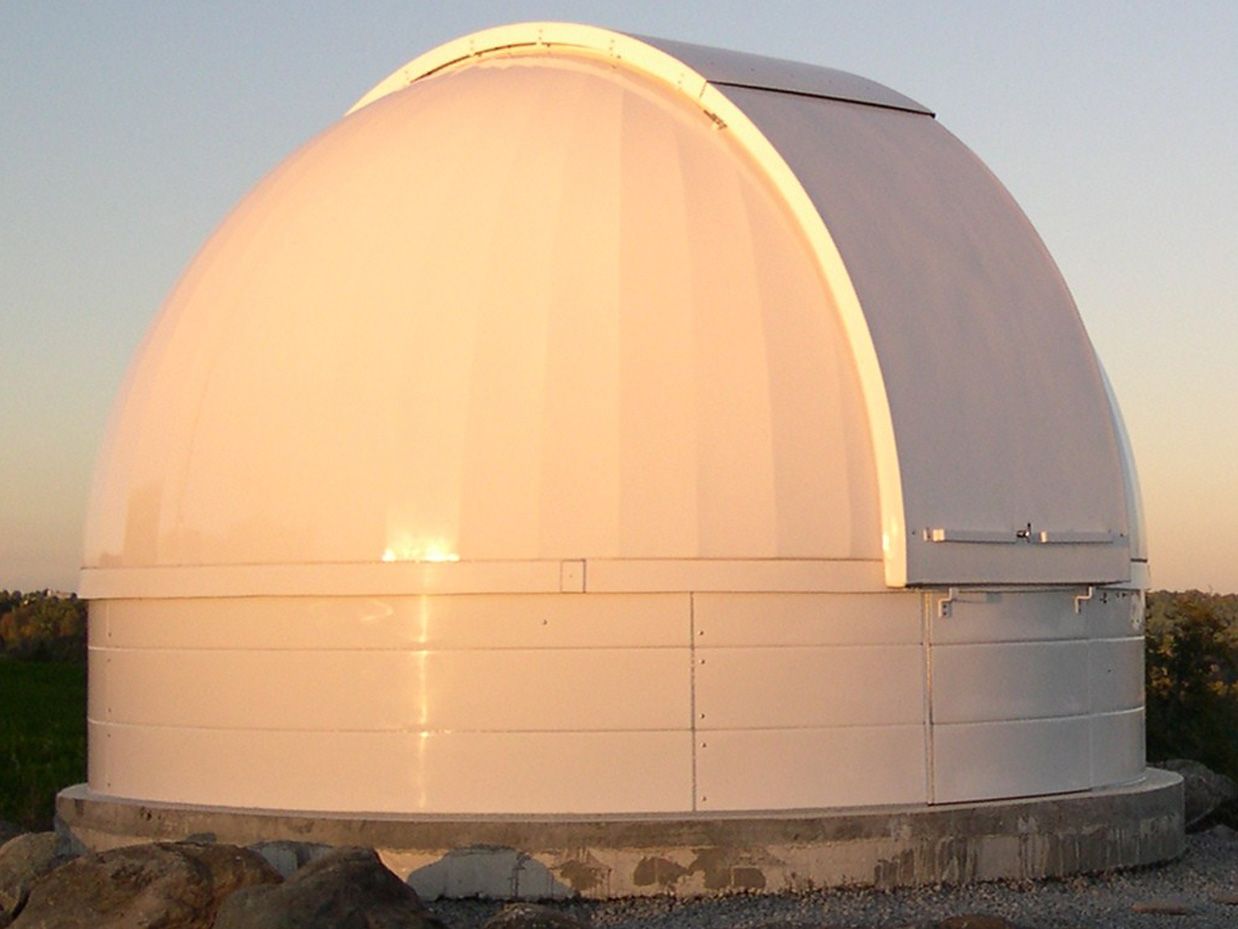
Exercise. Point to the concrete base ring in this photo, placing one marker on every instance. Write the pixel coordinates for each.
(689, 855)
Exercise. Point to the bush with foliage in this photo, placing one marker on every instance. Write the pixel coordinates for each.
(42, 626)
(1192, 678)
(43, 721)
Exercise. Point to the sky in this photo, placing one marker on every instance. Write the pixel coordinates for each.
(129, 129)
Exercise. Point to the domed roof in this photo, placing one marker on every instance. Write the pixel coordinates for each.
(555, 294)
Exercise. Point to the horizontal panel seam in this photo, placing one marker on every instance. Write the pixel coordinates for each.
(1026, 719)
(395, 730)
(410, 650)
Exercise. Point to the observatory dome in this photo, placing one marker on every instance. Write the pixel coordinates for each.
(595, 424)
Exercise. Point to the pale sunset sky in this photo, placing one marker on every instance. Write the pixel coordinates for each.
(129, 129)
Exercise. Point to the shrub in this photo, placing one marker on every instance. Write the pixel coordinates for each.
(1192, 678)
(42, 626)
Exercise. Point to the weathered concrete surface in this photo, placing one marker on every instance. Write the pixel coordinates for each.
(510, 857)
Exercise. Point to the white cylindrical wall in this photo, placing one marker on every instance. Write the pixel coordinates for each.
(613, 703)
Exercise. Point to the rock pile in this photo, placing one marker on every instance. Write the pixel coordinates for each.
(191, 885)
(1205, 791)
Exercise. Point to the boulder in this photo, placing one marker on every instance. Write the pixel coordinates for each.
(169, 885)
(23, 860)
(288, 857)
(1205, 790)
(347, 888)
(532, 916)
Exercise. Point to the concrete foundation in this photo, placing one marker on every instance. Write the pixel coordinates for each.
(540, 857)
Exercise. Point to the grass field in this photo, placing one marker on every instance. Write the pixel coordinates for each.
(42, 737)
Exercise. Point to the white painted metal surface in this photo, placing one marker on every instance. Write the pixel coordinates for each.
(633, 355)
(810, 768)
(728, 67)
(469, 772)
(527, 621)
(1029, 696)
(1009, 680)
(1014, 758)
(998, 405)
(557, 434)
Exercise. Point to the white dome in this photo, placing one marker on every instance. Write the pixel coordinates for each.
(536, 308)
(731, 401)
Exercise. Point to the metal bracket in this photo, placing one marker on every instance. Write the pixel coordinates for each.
(944, 607)
(1081, 599)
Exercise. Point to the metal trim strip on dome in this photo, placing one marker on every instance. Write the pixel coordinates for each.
(1130, 475)
(919, 111)
(581, 39)
(729, 68)
(683, 64)
(602, 575)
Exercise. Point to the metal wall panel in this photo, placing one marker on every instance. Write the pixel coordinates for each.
(1008, 616)
(513, 689)
(1118, 747)
(735, 575)
(979, 761)
(1020, 677)
(1115, 674)
(438, 622)
(1009, 680)
(778, 769)
(632, 772)
(1114, 614)
(794, 686)
(807, 619)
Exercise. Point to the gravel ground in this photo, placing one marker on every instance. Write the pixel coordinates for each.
(1208, 869)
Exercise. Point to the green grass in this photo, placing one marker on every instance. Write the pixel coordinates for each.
(42, 737)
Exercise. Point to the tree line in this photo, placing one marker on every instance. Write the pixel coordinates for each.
(42, 625)
(1191, 678)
